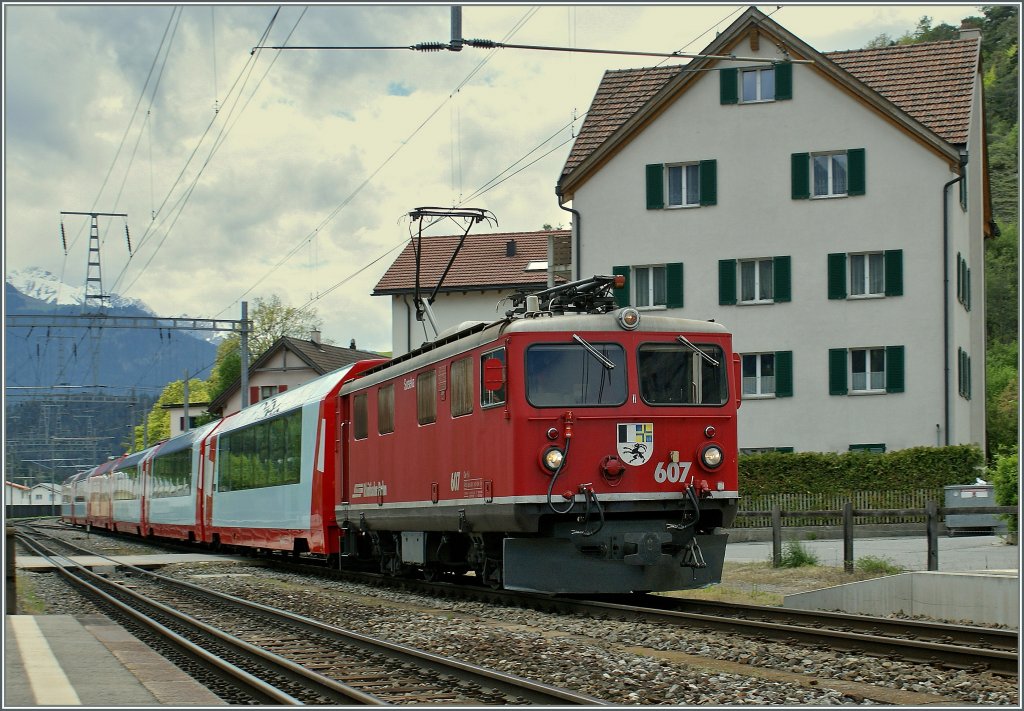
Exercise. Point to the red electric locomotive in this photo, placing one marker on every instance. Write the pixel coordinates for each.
(571, 447)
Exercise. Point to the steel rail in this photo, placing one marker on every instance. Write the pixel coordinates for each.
(319, 684)
(509, 684)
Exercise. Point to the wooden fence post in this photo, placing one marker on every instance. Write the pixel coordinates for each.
(776, 535)
(848, 536)
(932, 512)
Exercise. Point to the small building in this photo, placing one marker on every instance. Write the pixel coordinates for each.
(289, 362)
(45, 494)
(487, 269)
(177, 412)
(17, 494)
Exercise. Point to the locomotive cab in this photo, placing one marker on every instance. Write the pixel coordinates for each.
(577, 452)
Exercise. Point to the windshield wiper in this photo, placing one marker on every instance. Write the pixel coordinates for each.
(594, 352)
(698, 351)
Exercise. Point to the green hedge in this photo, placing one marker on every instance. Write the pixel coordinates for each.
(828, 472)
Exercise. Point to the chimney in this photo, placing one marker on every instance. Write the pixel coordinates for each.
(968, 32)
(314, 336)
(510, 248)
(352, 344)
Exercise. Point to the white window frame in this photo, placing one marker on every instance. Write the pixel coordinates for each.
(864, 284)
(759, 73)
(760, 381)
(651, 288)
(831, 191)
(689, 181)
(866, 376)
(758, 298)
(268, 391)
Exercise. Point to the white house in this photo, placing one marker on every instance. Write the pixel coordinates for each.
(17, 494)
(486, 270)
(829, 208)
(288, 363)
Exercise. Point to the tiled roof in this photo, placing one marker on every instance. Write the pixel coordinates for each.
(621, 93)
(930, 81)
(482, 263)
(324, 358)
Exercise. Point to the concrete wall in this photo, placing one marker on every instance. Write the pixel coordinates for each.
(972, 597)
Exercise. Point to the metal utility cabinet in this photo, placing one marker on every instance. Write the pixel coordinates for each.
(967, 496)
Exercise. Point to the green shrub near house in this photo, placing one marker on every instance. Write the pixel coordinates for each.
(831, 473)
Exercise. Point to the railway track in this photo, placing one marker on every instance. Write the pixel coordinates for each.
(283, 658)
(934, 643)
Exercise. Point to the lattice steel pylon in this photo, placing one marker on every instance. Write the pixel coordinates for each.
(95, 300)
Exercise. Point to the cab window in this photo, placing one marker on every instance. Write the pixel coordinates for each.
(673, 374)
(568, 375)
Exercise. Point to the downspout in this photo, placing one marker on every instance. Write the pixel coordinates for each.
(945, 297)
(576, 228)
(408, 323)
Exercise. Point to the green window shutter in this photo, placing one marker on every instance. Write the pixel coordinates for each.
(894, 272)
(783, 81)
(729, 85)
(783, 373)
(837, 275)
(622, 295)
(894, 369)
(781, 278)
(674, 285)
(967, 290)
(856, 180)
(836, 371)
(655, 186)
(726, 281)
(959, 289)
(968, 377)
(801, 169)
(708, 182)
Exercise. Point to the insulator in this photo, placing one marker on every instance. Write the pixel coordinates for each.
(63, 239)
(481, 43)
(129, 238)
(430, 46)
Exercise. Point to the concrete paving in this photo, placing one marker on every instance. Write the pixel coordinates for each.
(956, 553)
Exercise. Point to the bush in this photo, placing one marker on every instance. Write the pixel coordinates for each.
(875, 565)
(1004, 481)
(831, 473)
(794, 555)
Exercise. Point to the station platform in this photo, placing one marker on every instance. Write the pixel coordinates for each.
(39, 564)
(88, 660)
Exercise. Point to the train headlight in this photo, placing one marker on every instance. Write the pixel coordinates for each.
(712, 456)
(551, 459)
(629, 319)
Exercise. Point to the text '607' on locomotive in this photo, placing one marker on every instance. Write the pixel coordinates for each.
(570, 447)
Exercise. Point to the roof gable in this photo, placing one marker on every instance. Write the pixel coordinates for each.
(926, 87)
(482, 263)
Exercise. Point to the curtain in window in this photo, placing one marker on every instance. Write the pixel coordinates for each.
(675, 185)
(876, 273)
(878, 369)
(692, 184)
(857, 279)
(750, 86)
(821, 175)
(748, 278)
(767, 84)
(765, 278)
(839, 174)
(642, 278)
(658, 274)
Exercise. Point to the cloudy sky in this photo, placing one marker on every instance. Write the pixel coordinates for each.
(246, 174)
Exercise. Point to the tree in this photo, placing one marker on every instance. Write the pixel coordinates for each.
(1005, 476)
(1001, 401)
(158, 425)
(272, 319)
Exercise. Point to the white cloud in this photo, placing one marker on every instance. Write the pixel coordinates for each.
(288, 173)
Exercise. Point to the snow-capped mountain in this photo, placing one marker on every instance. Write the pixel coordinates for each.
(46, 286)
